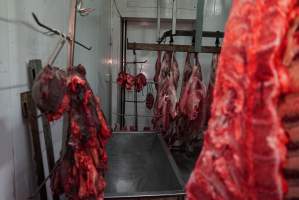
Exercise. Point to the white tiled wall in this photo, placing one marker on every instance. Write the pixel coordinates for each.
(20, 41)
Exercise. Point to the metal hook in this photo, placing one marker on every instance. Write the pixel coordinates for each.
(83, 11)
(171, 39)
(141, 68)
(57, 50)
(56, 32)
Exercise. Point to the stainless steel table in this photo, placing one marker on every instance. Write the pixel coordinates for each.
(140, 165)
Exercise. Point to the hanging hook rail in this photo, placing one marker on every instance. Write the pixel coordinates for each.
(190, 33)
(56, 32)
(136, 62)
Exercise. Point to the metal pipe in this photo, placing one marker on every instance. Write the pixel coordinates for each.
(158, 19)
(174, 16)
(176, 48)
(137, 62)
(211, 34)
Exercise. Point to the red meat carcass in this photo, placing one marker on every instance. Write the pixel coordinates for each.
(121, 79)
(244, 147)
(150, 99)
(126, 80)
(209, 96)
(162, 70)
(140, 82)
(289, 105)
(182, 122)
(186, 74)
(79, 172)
(191, 102)
(157, 70)
(166, 100)
(174, 70)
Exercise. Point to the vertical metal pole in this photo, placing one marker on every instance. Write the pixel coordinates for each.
(72, 33)
(110, 96)
(199, 25)
(174, 15)
(70, 62)
(122, 90)
(125, 69)
(135, 94)
(158, 19)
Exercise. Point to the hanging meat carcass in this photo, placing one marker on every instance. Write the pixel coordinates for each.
(192, 98)
(80, 169)
(158, 70)
(186, 74)
(196, 102)
(174, 70)
(126, 80)
(166, 100)
(140, 82)
(191, 104)
(160, 75)
(244, 147)
(209, 96)
(182, 121)
(289, 105)
(149, 101)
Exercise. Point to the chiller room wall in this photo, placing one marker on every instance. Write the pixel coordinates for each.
(141, 27)
(20, 41)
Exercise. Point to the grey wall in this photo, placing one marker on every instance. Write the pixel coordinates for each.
(20, 42)
(95, 30)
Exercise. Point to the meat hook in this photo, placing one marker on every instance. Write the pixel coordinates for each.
(56, 32)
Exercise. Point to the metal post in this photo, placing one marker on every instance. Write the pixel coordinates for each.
(122, 90)
(135, 93)
(158, 19)
(70, 64)
(174, 15)
(72, 33)
(199, 25)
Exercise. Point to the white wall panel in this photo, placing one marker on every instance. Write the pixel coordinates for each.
(94, 30)
(7, 191)
(148, 8)
(4, 39)
(115, 61)
(186, 8)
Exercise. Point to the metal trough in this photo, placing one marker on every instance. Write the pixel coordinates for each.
(140, 165)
